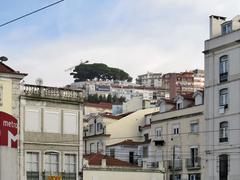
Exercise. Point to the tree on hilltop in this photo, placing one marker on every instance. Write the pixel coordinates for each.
(83, 72)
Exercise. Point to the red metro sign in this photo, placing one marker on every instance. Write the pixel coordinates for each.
(8, 130)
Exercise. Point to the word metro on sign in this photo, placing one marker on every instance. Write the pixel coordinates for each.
(8, 130)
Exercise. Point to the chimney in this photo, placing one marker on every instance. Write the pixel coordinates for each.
(215, 25)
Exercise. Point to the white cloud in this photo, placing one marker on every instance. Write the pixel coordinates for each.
(138, 36)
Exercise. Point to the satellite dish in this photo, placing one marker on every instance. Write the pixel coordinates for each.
(39, 82)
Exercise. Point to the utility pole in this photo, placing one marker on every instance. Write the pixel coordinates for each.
(173, 164)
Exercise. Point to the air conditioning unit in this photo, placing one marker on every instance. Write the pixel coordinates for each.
(221, 109)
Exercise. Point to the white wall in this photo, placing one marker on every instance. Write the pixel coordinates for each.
(121, 175)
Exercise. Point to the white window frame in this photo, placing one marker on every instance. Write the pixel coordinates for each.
(39, 160)
(54, 111)
(191, 129)
(176, 129)
(77, 121)
(33, 109)
(226, 27)
(64, 161)
(59, 159)
(158, 132)
(223, 97)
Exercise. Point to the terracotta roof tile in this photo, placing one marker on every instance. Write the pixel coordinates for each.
(96, 160)
(6, 69)
(100, 105)
(130, 142)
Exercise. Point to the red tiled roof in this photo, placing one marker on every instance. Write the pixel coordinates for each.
(96, 160)
(130, 142)
(6, 69)
(99, 105)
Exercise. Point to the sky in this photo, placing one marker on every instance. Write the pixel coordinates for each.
(134, 35)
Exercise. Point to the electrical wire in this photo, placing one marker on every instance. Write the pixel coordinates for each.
(28, 14)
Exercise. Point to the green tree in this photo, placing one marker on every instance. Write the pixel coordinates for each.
(83, 72)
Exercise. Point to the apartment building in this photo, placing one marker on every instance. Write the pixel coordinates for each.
(184, 82)
(176, 141)
(222, 99)
(103, 130)
(150, 79)
(51, 133)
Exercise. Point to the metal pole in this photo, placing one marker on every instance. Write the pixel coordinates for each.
(173, 172)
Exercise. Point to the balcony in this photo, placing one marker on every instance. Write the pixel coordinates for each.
(177, 164)
(52, 93)
(193, 163)
(223, 77)
(159, 141)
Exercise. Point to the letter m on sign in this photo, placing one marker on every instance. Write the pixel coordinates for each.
(8, 130)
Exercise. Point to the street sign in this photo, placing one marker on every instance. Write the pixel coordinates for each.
(8, 130)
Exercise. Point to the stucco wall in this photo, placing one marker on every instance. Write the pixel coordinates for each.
(121, 175)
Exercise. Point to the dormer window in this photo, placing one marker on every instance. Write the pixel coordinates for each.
(179, 105)
(227, 27)
(179, 102)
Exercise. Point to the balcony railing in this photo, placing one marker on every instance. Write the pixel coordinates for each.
(52, 92)
(193, 163)
(177, 164)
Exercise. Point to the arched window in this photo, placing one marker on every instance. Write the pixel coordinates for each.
(52, 163)
(223, 132)
(223, 167)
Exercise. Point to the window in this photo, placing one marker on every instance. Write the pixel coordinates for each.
(91, 147)
(194, 127)
(158, 132)
(112, 152)
(70, 167)
(179, 105)
(32, 165)
(223, 133)
(146, 137)
(194, 177)
(226, 27)
(52, 163)
(223, 167)
(98, 147)
(99, 127)
(223, 68)
(176, 129)
(223, 98)
(145, 151)
(91, 130)
(177, 177)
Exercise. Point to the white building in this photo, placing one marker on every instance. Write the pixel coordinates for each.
(176, 130)
(222, 99)
(50, 133)
(150, 79)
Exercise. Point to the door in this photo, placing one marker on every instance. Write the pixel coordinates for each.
(131, 157)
